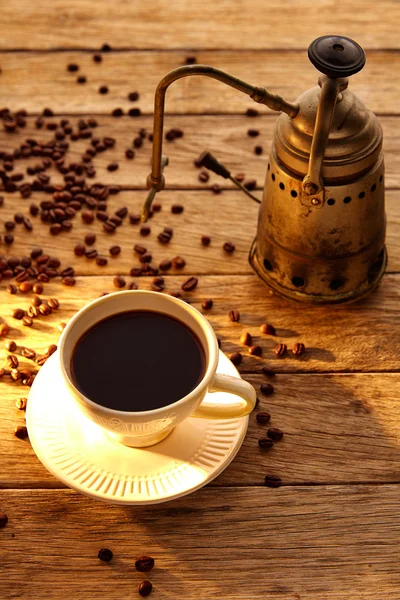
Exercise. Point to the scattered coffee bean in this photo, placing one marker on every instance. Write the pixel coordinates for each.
(103, 89)
(139, 249)
(240, 177)
(27, 321)
(265, 443)
(119, 281)
(280, 349)
(97, 58)
(145, 588)
(250, 184)
(134, 219)
(3, 520)
(2, 372)
(205, 240)
(129, 153)
(117, 112)
(51, 349)
(298, 349)
(267, 389)
(12, 361)
(68, 281)
(36, 301)
(144, 230)
(9, 239)
(12, 289)
(191, 59)
(190, 284)
(21, 432)
(267, 329)
(20, 403)
(275, 434)
(115, 250)
(45, 309)
(258, 150)
(255, 350)
(144, 564)
(25, 287)
(164, 237)
(272, 481)
(15, 375)
(101, 261)
(234, 316)
(90, 239)
(133, 286)
(263, 417)
(105, 554)
(207, 304)
(113, 166)
(236, 358)
(33, 312)
(91, 254)
(177, 209)
(165, 265)
(81, 79)
(178, 262)
(28, 353)
(203, 176)
(18, 313)
(146, 258)
(4, 330)
(11, 346)
(268, 372)
(37, 288)
(246, 339)
(133, 96)
(87, 216)
(253, 132)
(40, 360)
(61, 327)
(72, 67)
(53, 303)
(229, 247)
(215, 188)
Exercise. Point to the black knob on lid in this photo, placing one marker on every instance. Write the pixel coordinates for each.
(336, 56)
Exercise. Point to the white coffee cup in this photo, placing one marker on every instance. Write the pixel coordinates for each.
(145, 428)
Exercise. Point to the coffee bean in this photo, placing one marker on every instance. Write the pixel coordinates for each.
(87, 216)
(61, 327)
(12, 289)
(122, 212)
(68, 272)
(109, 227)
(40, 360)
(144, 564)
(129, 153)
(177, 209)
(229, 247)
(265, 443)
(11, 346)
(9, 225)
(191, 59)
(45, 309)
(72, 68)
(115, 250)
(267, 329)
(134, 112)
(34, 209)
(138, 142)
(246, 339)
(133, 286)
(105, 554)
(90, 239)
(97, 58)
(165, 265)
(51, 349)
(236, 358)
(298, 349)
(207, 304)
(272, 481)
(234, 316)
(156, 207)
(253, 132)
(139, 249)
(28, 353)
(18, 313)
(178, 262)
(4, 330)
(144, 230)
(33, 312)
(56, 228)
(255, 350)
(101, 215)
(263, 417)
(53, 303)
(145, 588)
(133, 96)
(205, 240)
(267, 389)
(25, 287)
(275, 434)
(21, 432)
(91, 254)
(42, 277)
(2, 372)
(113, 166)
(119, 281)
(79, 249)
(9, 239)
(164, 237)
(26, 262)
(258, 150)
(12, 361)
(3, 520)
(27, 321)
(268, 372)
(216, 189)
(20, 403)
(68, 281)
(103, 89)
(36, 252)
(203, 176)
(190, 284)
(280, 349)
(136, 271)
(81, 79)
(102, 261)
(252, 112)
(15, 375)
(117, 112)
(37, 288)
(134, 219)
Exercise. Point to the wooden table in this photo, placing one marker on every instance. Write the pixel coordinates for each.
(332, 529)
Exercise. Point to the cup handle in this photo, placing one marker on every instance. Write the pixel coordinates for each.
(232, 385)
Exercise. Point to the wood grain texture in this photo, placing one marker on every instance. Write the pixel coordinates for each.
(337, 429)
(242, 24)
(293, 543)
(33, 80)
(202, 215)
(225, 136)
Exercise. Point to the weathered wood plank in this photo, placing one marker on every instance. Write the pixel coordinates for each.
(225, 136)
(240, 24)
(349, 421)
(202, 216)
(33, 80)
(325, 542)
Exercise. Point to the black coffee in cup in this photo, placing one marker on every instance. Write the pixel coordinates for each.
(137, 361)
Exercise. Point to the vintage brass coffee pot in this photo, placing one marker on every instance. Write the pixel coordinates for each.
(321, 226)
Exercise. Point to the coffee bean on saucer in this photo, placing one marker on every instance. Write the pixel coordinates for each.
(265, 443)
(21, 432)
(144, 564)
(145, 588)
(236, 358)
(272, 481)
(263, 417)
(105, 554)
(234, 316)
(275, 434)
(267, 389)
(246, 339)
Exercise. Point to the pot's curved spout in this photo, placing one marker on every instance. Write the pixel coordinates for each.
(155, 181)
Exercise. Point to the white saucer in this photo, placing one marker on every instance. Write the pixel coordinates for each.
(81, 455)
